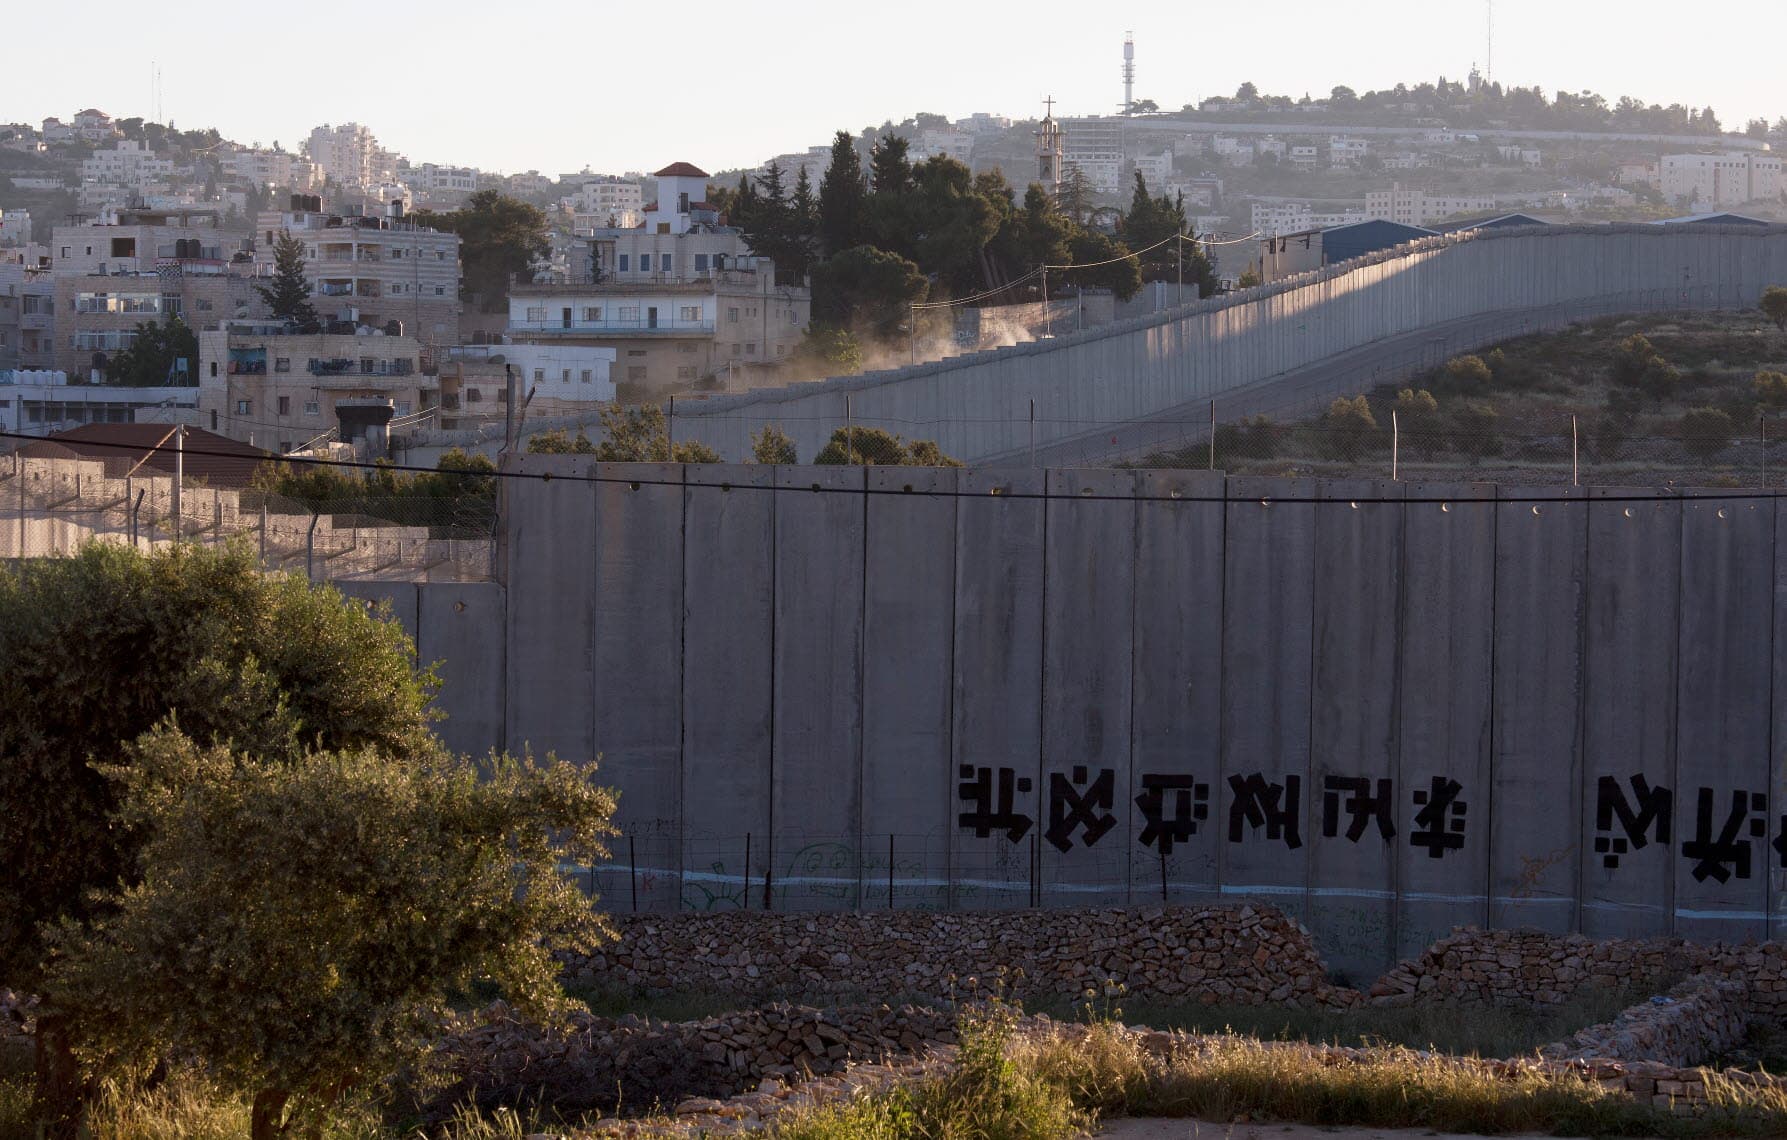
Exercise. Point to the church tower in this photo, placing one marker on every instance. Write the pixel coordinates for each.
(1051, 150)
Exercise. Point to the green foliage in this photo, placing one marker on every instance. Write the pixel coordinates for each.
(288, 296)
(1109, 264)
(867, 287)
(1636, 364)
(97, 649)
(1476, 429)
(1254, 438)
(1348, 427)
(1774, 305)
(460, 492)
(779, 227)
(151, 359)
(1249, 280)
(890, 170)
(874, 447)
(500, 238)
(1468, 375)
(772, 445)
(1770, 389)
(1417, 421)
(843, 202)
(835, 349)
(637, 434)
(1151, 221)
(558, 443)
(299, 922)
(1705, 432)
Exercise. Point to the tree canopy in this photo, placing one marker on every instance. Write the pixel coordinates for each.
(155, 356)
(288, 296)
(500, 238)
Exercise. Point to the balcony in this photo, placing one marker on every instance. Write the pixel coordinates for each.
(616, 327)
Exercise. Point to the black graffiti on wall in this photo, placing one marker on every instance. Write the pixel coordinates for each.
(1729, 826)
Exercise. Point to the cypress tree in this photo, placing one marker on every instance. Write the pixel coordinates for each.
(841, 197)
(289, 294)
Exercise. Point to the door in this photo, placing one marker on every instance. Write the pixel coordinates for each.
(651, 317)
(564, 318)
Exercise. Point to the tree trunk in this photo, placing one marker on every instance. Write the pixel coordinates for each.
(61, 1092)
(267, 1121)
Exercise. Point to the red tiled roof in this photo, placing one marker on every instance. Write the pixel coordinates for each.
(681, 170)
(218, 460)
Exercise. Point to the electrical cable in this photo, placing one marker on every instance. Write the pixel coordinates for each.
(1569, 495)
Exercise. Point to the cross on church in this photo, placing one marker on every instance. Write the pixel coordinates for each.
(1049, 103)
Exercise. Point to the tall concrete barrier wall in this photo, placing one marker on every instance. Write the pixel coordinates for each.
(1467, 289)
(1387, 708)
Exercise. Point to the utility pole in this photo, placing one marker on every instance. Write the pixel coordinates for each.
(1048, 320)
(179, 475)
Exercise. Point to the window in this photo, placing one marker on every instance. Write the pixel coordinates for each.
(536, 312)
(367, 365)
(564, 376)
(311, 409)
(585, 376)
(285, 405)
(635, 371)
(440, 255)
(645, 263)
(214, 368)
(689, 313)
(665, 263)
(635, 352)
(781, 350)
(440, 290)
(701, 263)
(685, 372)
(620, 263)
(204, 305)
(396, 254)
(629, 312)
(244, 407)
(687, 346)
(473, 396)
(592, 312)
(539, 375)
(751, 348)
(732, 315)
(65, 252)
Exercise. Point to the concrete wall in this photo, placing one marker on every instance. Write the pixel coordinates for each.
(1476, 286)
(1387, 708)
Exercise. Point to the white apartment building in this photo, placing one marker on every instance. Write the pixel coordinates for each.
(349, 156)
(1271, 145)
(680, 299)
(955, 144)
(600, 197)
(1305, 157)
(1095, 148)
(980, 122)
(556, 379)
(1524, 155)
(1274, 219)
(130, 163)
(1721, 180)
(270, 168)
(1156, 170)
(372, 270)
(1346, 150)
(1419, 208)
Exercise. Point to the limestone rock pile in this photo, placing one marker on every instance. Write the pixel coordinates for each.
(1529, 967)
(1704, 1016)
(631, 1064)
(1234, 955)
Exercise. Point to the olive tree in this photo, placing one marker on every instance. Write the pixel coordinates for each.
(299, 922)
(100, 648)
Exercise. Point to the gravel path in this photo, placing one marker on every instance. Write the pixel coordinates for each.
(1204, 1130)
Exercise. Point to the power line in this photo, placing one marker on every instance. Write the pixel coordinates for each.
(1566, 497)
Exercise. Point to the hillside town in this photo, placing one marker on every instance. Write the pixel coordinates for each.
(646, 285)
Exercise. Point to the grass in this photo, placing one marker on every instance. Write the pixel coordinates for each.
(1500, 1031)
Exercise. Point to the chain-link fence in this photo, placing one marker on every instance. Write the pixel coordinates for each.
(53, 501)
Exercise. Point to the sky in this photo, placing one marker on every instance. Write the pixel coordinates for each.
(527, 85)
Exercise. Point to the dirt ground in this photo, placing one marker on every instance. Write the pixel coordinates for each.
(1204, 1130)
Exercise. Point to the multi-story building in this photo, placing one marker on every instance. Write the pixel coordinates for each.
(1155, 169)
(1641, 173)
(1095, 149)
(1419, 208)
(443, 187)
(94, 125)
(99, 314)
(1346, 150)
(349, 156)
(1305, 157)
(270, 168)
(681, 299)
(600, 197)
(556, 378)
(369, 269)
(15, 227)
(40, 402)
(814, 160)
(130, 163)
(142, 240)
(36, 292)
(955, 144)
(982, 122)
(12, 288)
(1720, 180)
(261, 384)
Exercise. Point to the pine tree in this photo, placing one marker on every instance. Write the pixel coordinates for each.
(841, 197)
(889, 166)
(289, 295)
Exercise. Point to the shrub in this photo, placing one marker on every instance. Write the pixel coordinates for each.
(1476, 429)
(1770, 389)
(874, 447)
(771, 445)
(1417, 421)
(1705, 432)
(1253, 438)
(1468, 375)
(1774, 305)
(1347, 427)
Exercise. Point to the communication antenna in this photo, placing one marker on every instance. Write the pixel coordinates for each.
(1128, 72)
(1489, 29)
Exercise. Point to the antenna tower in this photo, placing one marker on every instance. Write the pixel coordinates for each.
(1489, 27)
(1128, 72)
